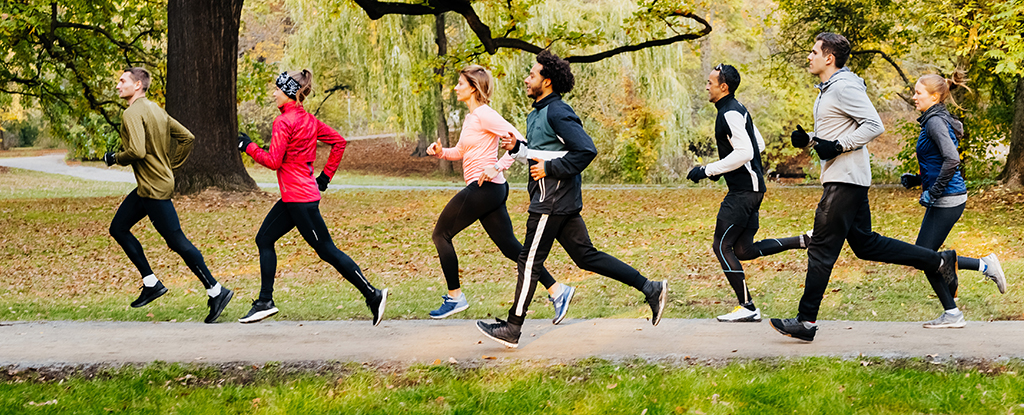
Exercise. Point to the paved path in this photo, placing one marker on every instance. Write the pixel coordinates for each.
(31, 344)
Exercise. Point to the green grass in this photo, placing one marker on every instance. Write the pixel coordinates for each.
(783, 386)
(60, 263)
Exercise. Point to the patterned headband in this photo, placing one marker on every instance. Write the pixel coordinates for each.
(288, 85)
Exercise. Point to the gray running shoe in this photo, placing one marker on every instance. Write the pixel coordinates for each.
(947, 321)
(994, 272)
(741, 314)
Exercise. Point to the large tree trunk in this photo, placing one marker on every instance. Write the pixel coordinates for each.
(442, 120)
(1013, 174)
(202, 62)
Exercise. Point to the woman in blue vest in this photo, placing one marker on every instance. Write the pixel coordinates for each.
(944, 192)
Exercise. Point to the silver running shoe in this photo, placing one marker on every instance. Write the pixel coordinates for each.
(741, 314)
(947, 321)
(994, 272)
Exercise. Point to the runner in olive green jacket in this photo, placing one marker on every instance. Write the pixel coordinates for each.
(146, 137)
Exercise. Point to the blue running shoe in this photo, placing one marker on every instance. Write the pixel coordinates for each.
(450, 306)
(561, 303)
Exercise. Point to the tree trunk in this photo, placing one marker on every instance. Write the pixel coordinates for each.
(202, 65)
(442, 121)
(1013, 174)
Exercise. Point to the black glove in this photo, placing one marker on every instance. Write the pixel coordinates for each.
(696, 174)
(322, 180)
(926, 199)
(109, 158)
(243, 141)
(910, 180)
(827, 149)
(799, 137)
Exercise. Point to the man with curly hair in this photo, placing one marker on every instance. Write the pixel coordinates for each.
(557, 150)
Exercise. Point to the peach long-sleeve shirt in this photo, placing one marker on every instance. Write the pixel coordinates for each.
(478, 144)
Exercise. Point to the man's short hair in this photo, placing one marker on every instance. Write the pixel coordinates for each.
(139, 75)
(727, 74)
(557, 70)
(835, 45)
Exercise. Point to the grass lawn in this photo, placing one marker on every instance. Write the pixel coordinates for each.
(782, 386)
(60, 263)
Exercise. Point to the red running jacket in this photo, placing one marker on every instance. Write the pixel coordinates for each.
(293, 150)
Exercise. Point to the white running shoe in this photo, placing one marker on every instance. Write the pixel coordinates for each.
(947, 321)
(994, 272)
(741, 314)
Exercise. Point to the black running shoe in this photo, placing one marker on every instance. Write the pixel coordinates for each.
(149, 294)
(657, 297)
(501, 332)
(794, 328)
(217, 304)
(260, 310)
(377, 304)
(948, 269)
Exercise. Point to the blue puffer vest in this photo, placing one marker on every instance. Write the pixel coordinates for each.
(929, 157)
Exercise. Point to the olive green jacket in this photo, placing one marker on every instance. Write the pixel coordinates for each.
(147, 134)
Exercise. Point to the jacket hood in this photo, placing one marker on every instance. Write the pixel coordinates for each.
(939, 110)
(840, 77)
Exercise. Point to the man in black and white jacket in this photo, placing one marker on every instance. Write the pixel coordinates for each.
(845, 122)
(739, 150)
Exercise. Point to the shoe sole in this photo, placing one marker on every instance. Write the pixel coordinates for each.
(158, 295)
(489, 336)
(750, 319)
(258, 316)
(214, 318)
(380, 308)
(997, 269)
(790, 334)
(455, 310)
(662, 298)
(565, 309)
(946, 326)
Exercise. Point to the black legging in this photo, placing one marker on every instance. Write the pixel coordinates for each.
(484, 203)
(284, 217)
(165, 219)
(734, 243)
(935, 227)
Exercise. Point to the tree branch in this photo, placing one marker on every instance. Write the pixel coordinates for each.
(377, 9)
(906, 81)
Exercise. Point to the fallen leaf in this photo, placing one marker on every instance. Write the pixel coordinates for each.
(489, 357)
(613, 385)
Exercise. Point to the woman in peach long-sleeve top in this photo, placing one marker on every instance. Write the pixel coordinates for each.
(485, 193)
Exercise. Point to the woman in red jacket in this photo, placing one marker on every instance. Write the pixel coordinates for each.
(292, 152)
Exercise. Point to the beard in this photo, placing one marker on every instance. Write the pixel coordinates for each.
(532, 92)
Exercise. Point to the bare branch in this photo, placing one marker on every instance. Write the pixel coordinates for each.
(899, 70)
(377, 9)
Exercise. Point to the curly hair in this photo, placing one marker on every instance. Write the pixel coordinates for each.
(557, 70)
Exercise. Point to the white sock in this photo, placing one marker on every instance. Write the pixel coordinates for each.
(953, 311)
(215, 291)
(150, 280)
(558, 291)
(808, 324)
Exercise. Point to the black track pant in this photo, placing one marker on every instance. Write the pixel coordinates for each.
(165, 219)
(935, 227)
(843, 214)
(284, 217)
(735, 228)
(571, 233)
(484, 203)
